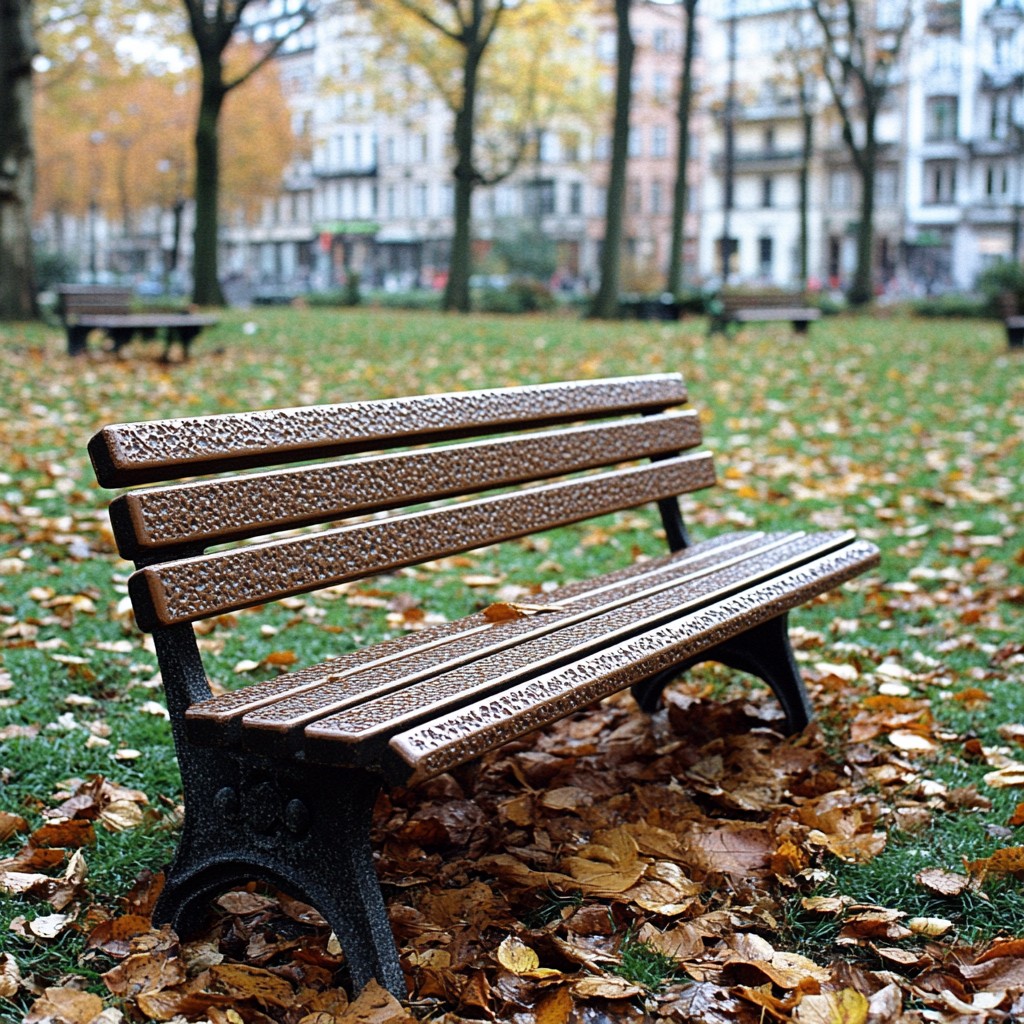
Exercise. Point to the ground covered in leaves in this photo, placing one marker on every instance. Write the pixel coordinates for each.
(687, 866)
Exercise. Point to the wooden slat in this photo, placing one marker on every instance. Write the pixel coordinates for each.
(135, 453)
(220, 511)
(217, 721)
(276, 728)
(466, 732)
(194, 588)
(358, 728)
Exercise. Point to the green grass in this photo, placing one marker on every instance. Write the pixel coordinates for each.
(906, 430)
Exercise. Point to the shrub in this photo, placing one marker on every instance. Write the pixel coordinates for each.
(1002, 284)
(953, 304)
(521, 296)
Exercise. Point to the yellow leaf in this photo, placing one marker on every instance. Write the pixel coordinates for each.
(514, 955)
(932, 927)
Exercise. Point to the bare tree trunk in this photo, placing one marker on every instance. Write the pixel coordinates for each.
(17, 161)
(456, 292)
(606, 301)
(806, 155)
(680, 196)
(206, 290)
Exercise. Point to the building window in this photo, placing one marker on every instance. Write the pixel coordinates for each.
(999, 116)
(940, 181)
(636, 142)
(769, 140)
(657, 197)
(840, 188)
(661, 86)
(887, 191)
(767, 192)
(661, 40)
(575, 198)
(539, 198)
(940, 119)
(659, 140)
(635, 200)
(765, 248)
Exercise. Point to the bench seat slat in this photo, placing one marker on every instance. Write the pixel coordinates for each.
(194, 588)
(276, 728)
(217, 721)
(199, 514)
(448, 741)
(134, 453)
(358, 728)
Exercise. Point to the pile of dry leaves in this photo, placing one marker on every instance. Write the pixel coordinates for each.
(537, 886)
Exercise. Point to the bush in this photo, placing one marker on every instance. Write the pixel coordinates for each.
(952, 305)
(1002, 284)
(53, 268)
(521, 296)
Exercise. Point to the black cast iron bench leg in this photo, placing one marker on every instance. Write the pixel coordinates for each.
(245, 819)
(763, 651)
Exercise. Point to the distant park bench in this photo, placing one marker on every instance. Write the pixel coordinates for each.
(741, 307)
(280, 776)
(84, 308)
(1015, 331)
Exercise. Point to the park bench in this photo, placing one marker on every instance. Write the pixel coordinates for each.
(1015, 331)
(84, 308)
(741, 307)
(280, 776)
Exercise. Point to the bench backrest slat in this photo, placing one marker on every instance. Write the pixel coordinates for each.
(732, 301)
(187, 589)
(195, 515)
(92, 300)
(137, 453)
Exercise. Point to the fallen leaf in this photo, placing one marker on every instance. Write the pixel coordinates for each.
(606, 987)
(846, 1006)
(942, 883)
(64, 1005)
(514, 955)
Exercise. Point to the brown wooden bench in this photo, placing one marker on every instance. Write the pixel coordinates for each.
(280, 777)
(84, 308)
(741, 307)
(1015, 331)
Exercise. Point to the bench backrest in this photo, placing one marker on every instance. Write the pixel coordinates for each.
(558, 460)
(74, 300)
(767, 299)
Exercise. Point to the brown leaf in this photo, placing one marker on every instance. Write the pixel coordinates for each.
(1007, 861)
(72, 833)
(10, 976)
(606, 987)
(144, 973)
(114, 935)
(609, 865)
(66, 1005)
(11, 823)
(942, 883)
(554, 1007)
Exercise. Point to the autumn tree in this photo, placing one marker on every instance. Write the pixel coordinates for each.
(861, 42)
(680, 191)
(606, 301)
(501, 87)
(17, 162)
(214, 26)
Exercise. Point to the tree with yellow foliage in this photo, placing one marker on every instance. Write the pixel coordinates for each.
(503, 68)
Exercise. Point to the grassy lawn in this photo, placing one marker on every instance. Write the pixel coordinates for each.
(907, 430)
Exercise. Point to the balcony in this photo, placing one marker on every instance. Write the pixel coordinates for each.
(748, 160)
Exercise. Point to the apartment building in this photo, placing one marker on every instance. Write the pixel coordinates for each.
(375, 197)
(949, 184)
